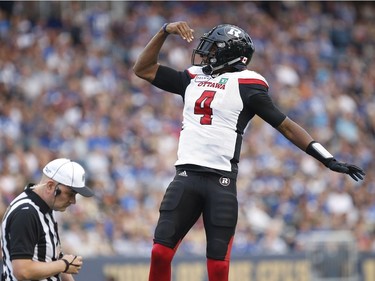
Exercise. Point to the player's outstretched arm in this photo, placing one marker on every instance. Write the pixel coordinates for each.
(297, 135)
(316, 150)
(147, 65)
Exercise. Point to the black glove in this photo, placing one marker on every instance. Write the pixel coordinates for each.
(352, 170)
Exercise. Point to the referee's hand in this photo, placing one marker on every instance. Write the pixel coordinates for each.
(73, 264)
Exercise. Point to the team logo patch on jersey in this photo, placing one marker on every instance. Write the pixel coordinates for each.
(223, 81)
(202, 78)
(224, 181)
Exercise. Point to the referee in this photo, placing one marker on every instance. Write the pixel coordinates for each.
(30, 241)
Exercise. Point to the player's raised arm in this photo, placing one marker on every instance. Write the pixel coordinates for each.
(147, 63)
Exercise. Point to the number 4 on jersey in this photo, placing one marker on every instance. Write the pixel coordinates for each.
(203, 107)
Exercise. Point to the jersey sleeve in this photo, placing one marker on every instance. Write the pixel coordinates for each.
(171, 80)
(22, 233)
(256, 98)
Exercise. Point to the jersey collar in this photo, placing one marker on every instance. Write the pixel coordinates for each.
(44, 208)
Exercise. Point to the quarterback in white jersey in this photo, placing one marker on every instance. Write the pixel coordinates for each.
(214, 119)
(220, 97)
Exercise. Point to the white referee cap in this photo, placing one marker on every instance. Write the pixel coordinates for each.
(69, 173)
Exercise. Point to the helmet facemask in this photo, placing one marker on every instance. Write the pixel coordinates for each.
(204, 53)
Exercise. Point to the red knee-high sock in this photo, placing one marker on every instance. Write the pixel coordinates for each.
(218, 270)
(161, 259)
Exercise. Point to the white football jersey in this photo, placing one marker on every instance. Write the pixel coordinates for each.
(213, 110)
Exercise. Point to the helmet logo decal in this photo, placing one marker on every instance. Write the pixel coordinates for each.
(234, 32)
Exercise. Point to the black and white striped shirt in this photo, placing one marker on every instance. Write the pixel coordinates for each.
(29, 231)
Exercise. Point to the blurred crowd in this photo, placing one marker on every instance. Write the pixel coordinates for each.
(67, 89)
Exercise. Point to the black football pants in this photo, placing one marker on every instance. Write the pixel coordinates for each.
(191, 194)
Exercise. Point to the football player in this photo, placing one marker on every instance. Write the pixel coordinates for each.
(220, 95)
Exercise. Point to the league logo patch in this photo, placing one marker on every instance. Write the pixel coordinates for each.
(223, 81)
(224, 181)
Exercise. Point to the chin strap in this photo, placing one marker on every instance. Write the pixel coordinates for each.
(209, 69)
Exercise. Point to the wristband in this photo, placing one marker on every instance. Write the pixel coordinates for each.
(164, 27)
(317, 151)
(66, 265)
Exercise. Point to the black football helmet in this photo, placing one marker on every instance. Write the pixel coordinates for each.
(224, 46)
